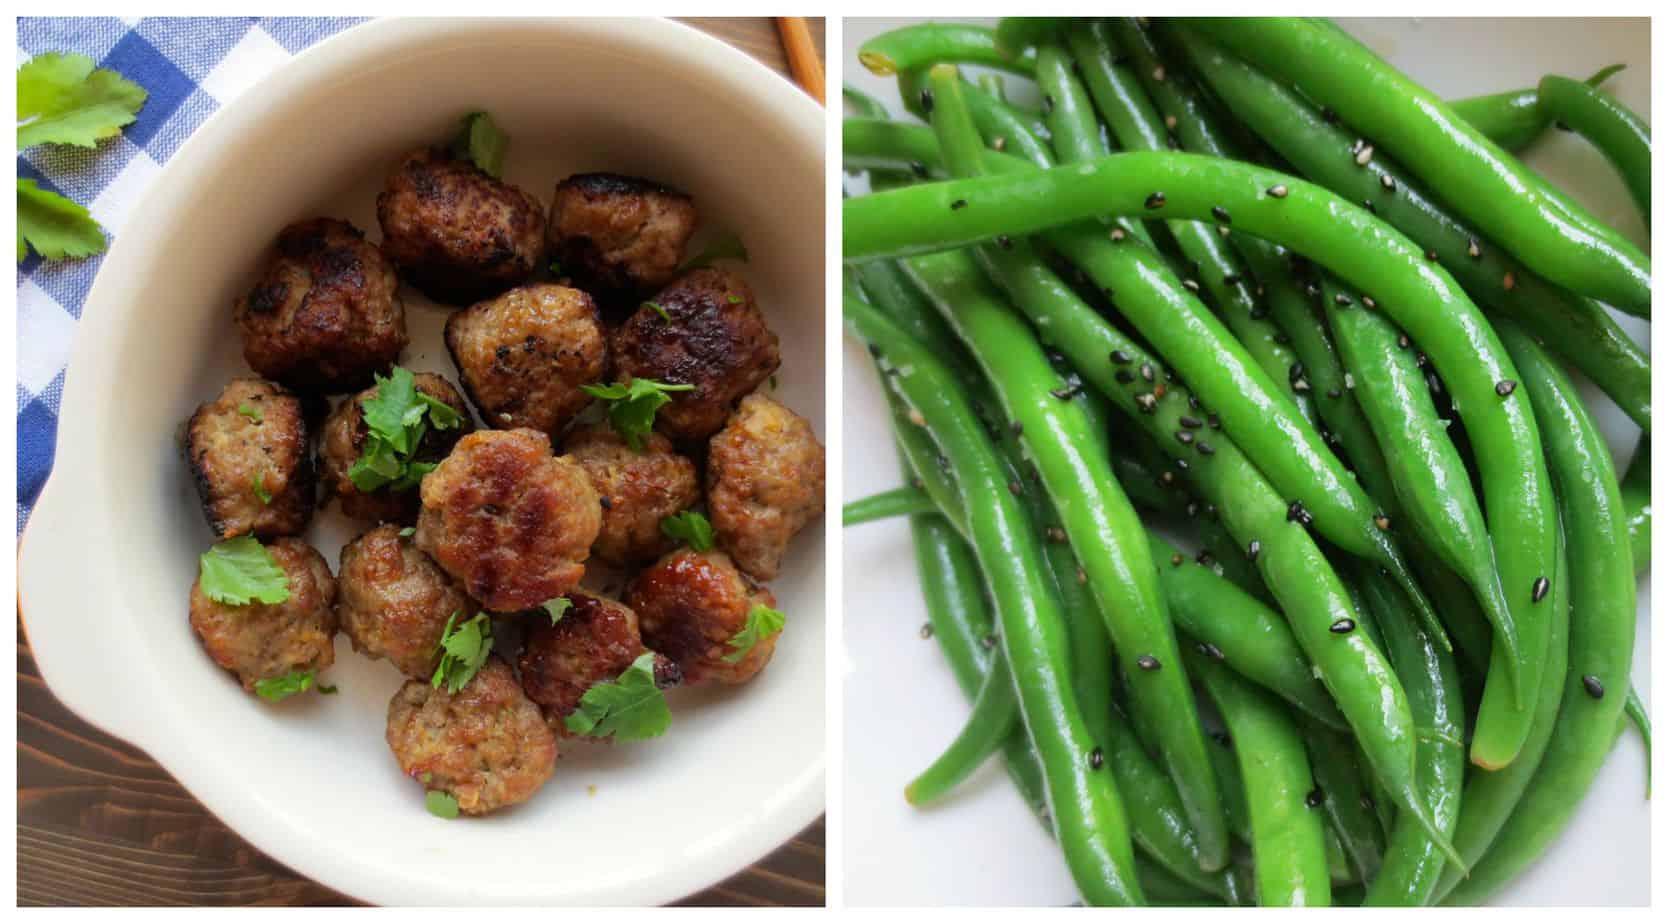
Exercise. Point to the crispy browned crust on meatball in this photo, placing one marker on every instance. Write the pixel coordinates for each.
(487, 745)
(342, 441)
(594, 642)
(326, 313)
(458, 234)
(765, 478)
(690, 604)
(228, 452)
(393, 601)
(261, 641)
(636, 489)
(524, 355)
(508, 520)
(716, 340)
(621, 237)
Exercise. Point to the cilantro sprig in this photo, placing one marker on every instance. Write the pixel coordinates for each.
(631, 405)
(241, 570)
(480, 140)
(762, 623)
(463, 651)
(690, 528)
(63, 99)
(396, 419)
(629, 708)
(441, 804)
(726, 246)
(260, 487)
(557, 608)
(277, 689)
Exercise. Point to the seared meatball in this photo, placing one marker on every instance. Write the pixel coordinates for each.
(620, 237)
(690, 604)
(523, 355)
(326, 314)
(261, 641)
(508, 520)
(393, 601)
(637, 490)
(594, 642)
(765, 477)
(458, 234)
(237, 456)
(343, 441)
(487, 745)
(716, 340)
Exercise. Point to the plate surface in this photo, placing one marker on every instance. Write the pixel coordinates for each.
(983, 847)
(111, 551)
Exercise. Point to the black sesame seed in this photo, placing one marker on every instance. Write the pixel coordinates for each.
(1403, 342)
(1296, 514)
(1211, 651)
(1184, 437)
(1155, 201)
(1254, 549)
(1191, 423)
(958, 204)
(1334, 393)
(1538, 592)
(1147, 403)
(1120, 357)
(1181, 464)
(1005, 242)
(1343, 300)
(1096, 759)
(1431, 255)
(1147, 371)
(1221, 214)
(1055, 534)
(1342, 627)
(1205, 449)
(1203, 557)
(1295, 373)
(1367, 803)
(926, 101)
(926, 630)
(1314, 798)
(1213, 421)
(919, 169)
(1147, 663)
(1594, 686)
(1504, 387)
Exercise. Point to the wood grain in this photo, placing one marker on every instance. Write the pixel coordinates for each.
(100, 823)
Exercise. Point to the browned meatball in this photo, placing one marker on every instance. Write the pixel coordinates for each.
(621, 237)
(261, 641)
(326, 314)
(393, 601)
(716, 340)
(523, 355)
(239, 456)
(594, 642)
(508, 520)
(487, 745)
(765, 478)
(458, 234)
(637, 490)
(343, 441)
(690, 604)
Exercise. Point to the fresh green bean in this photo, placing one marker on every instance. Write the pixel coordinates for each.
(1636, 499)
(895, 503)
(926, 44)
(1017, 34)
(1641, 720)
(1339, 784)
(1022, 134)
(992, 720)
(1514, 119)
(1620, 135)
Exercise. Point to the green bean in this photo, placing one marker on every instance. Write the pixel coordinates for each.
(1620, 135)
(1412, 863)
(1485, 184)
(1088, 814)
(1580, 329)
(1164, 889)
(1636, 499)
(1636, 714)
(1022, 134)
(926, 44)
(1015, 35)
(1338, 782)
(1287, 838)
(991, 721)
(895, 503)
(1601, 630)
(1228, 779)
(1514, 119)
(994, 85)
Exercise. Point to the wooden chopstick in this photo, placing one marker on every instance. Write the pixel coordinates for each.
(802, 55)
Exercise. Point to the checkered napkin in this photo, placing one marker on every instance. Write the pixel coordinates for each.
(190, 68)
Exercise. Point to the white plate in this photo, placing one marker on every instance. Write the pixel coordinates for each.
(110, 552)
(983, 847)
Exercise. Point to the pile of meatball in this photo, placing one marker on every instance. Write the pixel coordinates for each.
(516, 508)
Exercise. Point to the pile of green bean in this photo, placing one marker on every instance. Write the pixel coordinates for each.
(1242, 280)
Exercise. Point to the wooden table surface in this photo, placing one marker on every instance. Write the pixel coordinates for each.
(99, 823)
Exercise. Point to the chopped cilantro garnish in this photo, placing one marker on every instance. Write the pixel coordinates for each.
(274, 689)
(655, 306)
(629, 708)
(689, 527)
(408, 532)
(441, 804)
(762, 623)
(260, 488)
(465, 648)
(480, 140)
(396, 418)
(632, 405)
(250, 411)
(557, 608)
(726, 246)
(240, 570)
(735, 299)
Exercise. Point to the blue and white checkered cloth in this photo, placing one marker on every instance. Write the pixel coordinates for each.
(190, 68)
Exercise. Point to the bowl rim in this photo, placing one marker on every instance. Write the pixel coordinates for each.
(802, 120)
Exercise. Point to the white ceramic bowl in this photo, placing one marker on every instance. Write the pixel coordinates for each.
(111, 550)
(982, 847)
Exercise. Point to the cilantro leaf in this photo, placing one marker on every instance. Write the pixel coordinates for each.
(629, 708)
(260, 488)
(726, 246)
(632, 405)
(442, 415)
(480, 140)
(441, 804)
(466, 650)
(387, 412)
(396, 419)
(240, 570)
(249, 411)
(762, 623)
(557, 608)
(276, 689)
(655, 306)
(689, 527)
(54, 226)
(408, 532)
(61, 99)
